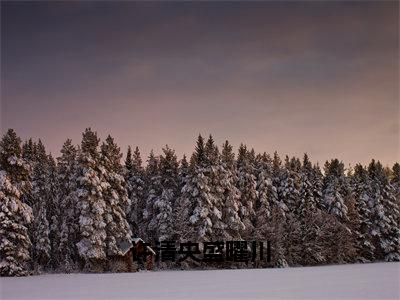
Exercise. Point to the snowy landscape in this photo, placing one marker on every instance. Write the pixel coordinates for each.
(199, 150)
(81, 212)
(376, 281)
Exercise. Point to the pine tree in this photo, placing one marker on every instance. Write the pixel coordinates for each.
(247, 186)
(89, 193)
(11, 161)
(66, 169)
(396, 177)
(289, 196)
(41, 199)
(386, 231)
(307, 189)
(197, 192)
(217, 183)
(316, 179)
(289, 190)
(183, 172)
(162, 205)
(116, 198)
(14, 238)
(265, 189)
(279, 210)
(41, 239)
(362, 227)
(135, 179)
(277, 175)
(128, 160)
(228, 157)
(199, 156)
(310, 216)
(182, 204)
(154, 190)
(335, 189)
(231, 195)
(395, 181)
(28, 151)
(54, 212)
(15, 216)
(337, 200)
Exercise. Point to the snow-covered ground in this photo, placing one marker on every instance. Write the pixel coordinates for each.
(367, 281)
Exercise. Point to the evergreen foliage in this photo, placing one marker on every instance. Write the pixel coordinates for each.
(78, 212)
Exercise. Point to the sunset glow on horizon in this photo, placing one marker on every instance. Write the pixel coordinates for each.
(315, 77)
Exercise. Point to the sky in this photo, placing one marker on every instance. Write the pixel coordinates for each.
(295, 77)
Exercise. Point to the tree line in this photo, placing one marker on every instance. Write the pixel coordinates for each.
(72, 213)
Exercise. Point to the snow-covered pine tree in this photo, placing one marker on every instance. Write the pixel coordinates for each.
(276, 238)
(289, 189)
(335, 189)
(135, 179)
(385, 212)
(128, 165)
(14, 237)
(216, 176)
(54, 211)
(41, 241)
(116, 198)
(28, 151)
(89, 193)
(252, 157)
(247, 186)
(28, 156)
(231, 195)
(66, 170)
(278, 216)
(128, 160)
(336, 199)
(162, 221)
(277, 174)
(228, 157)
(362, 225)
(198, 192)
(15, 216)
(395, 181)
(41, 199)
(11, 161)
(265, 189)
(309, 216)
(316, 179)
(183, 172)
(182, 204)
(307, 189)
(289, 199)
(153, 191)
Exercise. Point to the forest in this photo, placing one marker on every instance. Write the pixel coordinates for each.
(72, 213)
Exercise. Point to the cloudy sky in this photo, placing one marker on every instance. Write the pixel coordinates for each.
(316, 77)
